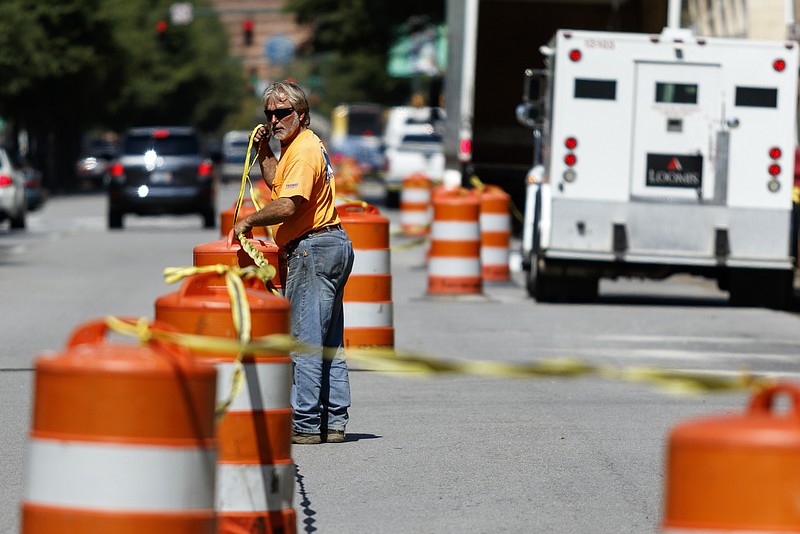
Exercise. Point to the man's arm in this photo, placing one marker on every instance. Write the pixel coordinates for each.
(266, 158)
(275, 212)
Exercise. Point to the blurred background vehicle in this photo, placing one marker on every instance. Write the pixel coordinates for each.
(162, 170)
(357, 133)
(13, 205)
(414, 145)
(35, 193)
(233, 154)
(91, 168)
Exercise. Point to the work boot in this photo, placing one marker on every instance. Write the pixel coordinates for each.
(301, 438)
(335, 436)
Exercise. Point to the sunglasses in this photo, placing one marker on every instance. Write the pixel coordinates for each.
(279, 114)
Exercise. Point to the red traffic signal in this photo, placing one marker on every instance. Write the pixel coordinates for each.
(161, 26)
(247, 28)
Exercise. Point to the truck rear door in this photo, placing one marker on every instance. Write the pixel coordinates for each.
(676, 116)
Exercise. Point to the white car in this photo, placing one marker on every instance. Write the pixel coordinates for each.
(419, 152)
(13, 205)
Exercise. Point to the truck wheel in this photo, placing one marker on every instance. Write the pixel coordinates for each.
(18, 222)
(543, 288)
(209, 218)
(760, 287)
(114, 219)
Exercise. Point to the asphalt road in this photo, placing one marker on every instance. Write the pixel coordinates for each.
(435, 454)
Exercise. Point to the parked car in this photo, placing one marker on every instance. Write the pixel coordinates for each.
(91, 168)
(357, 133)
(35, 194)
(418, 152)
(162, 170)
(13, 205)
(233, 154)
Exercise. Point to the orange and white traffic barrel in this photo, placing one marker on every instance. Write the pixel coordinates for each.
(122, 439)
(255, 471)
(229, 251)
(415, 205)
(454, 258)
(495, 220)
(736, 473)
(226, 221)
(368, 317)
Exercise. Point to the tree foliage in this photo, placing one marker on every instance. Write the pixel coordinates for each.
(72, 65)
(352, 39)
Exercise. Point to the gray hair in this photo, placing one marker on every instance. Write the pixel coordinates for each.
(292, 92)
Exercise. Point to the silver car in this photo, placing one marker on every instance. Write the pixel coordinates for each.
(12, 192)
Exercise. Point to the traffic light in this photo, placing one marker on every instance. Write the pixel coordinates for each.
(161, 31)
(247, 29)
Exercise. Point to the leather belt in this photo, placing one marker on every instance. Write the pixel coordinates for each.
(291, 245)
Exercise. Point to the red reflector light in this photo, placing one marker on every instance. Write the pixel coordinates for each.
(774, 169)
(117, 169)
(779, 65)
(465, 146)
(571, 143)
(204, 169)
(570, 159)
(775, 152)
(575, 54)
(160, 134)
(5, 180)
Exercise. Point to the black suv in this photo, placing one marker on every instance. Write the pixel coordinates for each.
(162, 171)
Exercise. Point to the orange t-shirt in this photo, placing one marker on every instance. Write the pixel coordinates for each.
(304, 170)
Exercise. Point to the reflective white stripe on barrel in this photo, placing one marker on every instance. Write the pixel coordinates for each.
(453, 267)
(416, 195)
(242, 488)
(455, 231)
(371, 261)
(272, 380)
(494, 255)
(119, 476)
(495, 223)
(369, 314)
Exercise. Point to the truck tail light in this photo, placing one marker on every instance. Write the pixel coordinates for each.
(774, 169)
(575, 55)
(571, 143)
(204, 169)
(775, 152)
(465, 149)
(779, 65)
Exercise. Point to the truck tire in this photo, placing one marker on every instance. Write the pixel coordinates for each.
(18, 222)
(114, 219)
(209, 218)
(760, 287)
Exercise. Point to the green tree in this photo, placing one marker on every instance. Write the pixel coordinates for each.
(72, 65)
(351, 42)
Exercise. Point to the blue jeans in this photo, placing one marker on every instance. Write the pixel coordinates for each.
(318, 270)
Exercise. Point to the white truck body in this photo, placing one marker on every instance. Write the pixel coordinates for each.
(663, 154)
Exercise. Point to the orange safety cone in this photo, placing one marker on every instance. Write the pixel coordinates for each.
(230, 252)
(255, 471)
(122, 439)
(736, 473)
(368, 318)
(495, 222)
(454, 257)
(415, 205)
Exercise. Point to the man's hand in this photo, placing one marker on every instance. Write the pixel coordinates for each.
(242, 227)
(262, 134)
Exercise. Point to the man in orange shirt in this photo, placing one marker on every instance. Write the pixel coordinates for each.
(320, 257)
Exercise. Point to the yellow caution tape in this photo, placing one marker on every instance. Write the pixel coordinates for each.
(480, 186)
(240, 309)
(673, 381)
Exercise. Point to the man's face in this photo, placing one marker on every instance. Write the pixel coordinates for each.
(284, 129)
